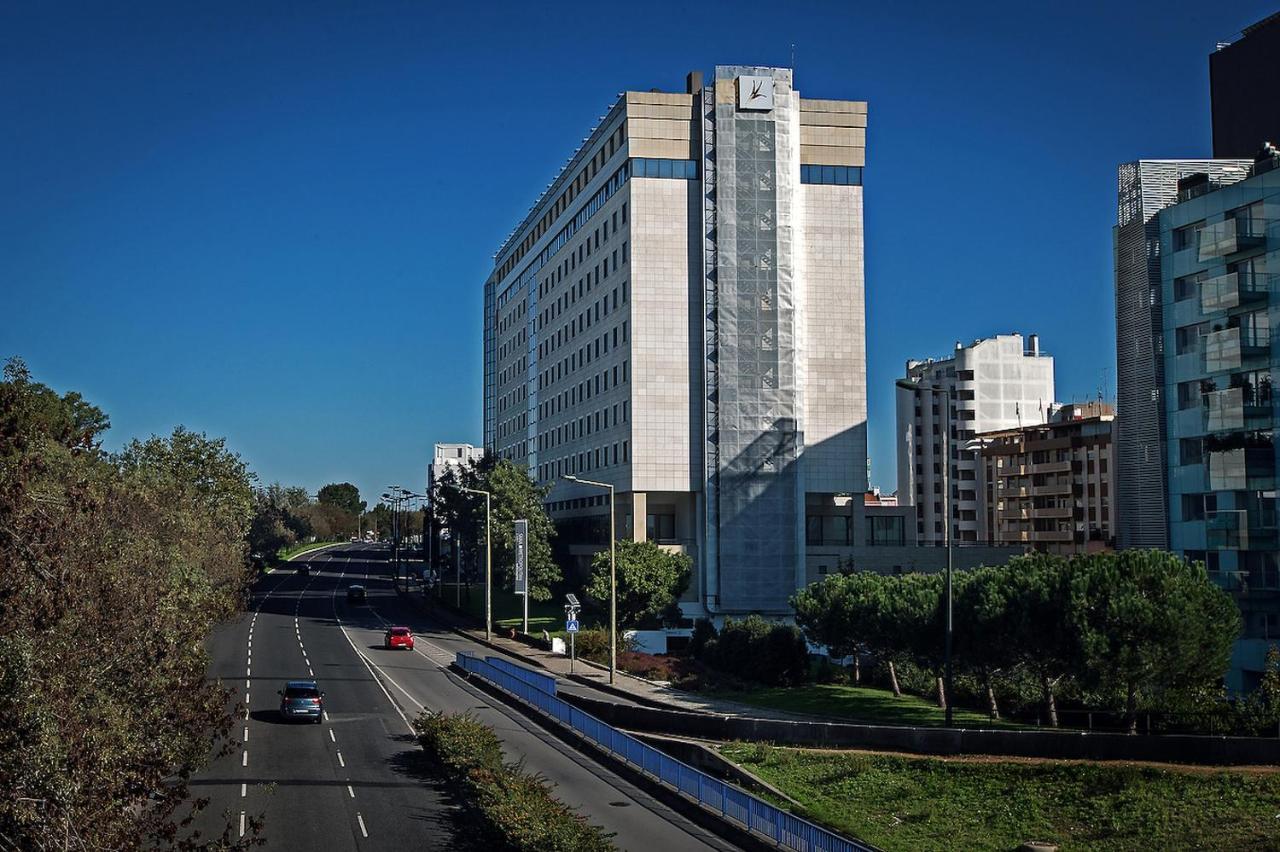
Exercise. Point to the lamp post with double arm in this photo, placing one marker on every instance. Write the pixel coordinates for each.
(613, 575)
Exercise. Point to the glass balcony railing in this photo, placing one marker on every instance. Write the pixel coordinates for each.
(1230, 236)
(1238, 529)
(1226, 348)
(1237, 408)
(1232, 290)
(1245, 468)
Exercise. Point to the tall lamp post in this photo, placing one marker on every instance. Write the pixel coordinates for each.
(947, 533)
(613, 575)
(488, 557)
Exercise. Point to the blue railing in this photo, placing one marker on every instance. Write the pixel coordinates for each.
(538, 680)
(757, 815)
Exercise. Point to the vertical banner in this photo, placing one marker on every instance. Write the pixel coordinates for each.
(522, 557)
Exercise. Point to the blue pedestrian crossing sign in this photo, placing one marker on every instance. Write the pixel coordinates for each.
(571, 626)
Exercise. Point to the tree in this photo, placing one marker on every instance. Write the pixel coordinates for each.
(514, 495)
(135, 556)
(984, 633)
(1151, 624)
(650, 582)
(1038, 623)
(344, 496)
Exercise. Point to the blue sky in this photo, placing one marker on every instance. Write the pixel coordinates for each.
(272, 221)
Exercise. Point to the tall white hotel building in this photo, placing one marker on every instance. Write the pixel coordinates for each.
(681, 315)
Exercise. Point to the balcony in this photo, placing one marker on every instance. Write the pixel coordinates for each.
(1054, 512)
(1236, 408)
(1052, 535)
(1051, 489)
(1234, 289)
(1051, 467)
(1236, 530)
(1225, 349)
(1241, 469)
(1231, 236)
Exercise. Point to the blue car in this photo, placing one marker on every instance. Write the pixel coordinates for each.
(301, 700)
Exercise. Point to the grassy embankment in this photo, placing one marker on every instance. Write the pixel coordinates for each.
(857, 704)
(507, 608)
(901, 802)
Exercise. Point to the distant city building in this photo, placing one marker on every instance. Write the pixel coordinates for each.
(681, 316)
(1246, 99)
(446, 457)
(1048, 486)
(998, 383)
(1199, 471)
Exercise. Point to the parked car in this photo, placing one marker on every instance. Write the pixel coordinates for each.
(304, 569)
(399, 637)
(301, 700)
(355, 593)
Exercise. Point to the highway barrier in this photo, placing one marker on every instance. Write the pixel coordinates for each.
(538, 680)
(753, 814)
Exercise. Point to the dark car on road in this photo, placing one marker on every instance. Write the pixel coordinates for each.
(355, 593)
(304, 569)
(301, 700)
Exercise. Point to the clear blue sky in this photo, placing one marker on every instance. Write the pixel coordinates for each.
(272, 221)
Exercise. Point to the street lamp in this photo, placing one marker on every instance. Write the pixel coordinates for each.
(947, 533)
(488, 557)
(613, 576)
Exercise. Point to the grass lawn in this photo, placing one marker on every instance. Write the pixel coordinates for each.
(507, 608)
(901, 803)
(855, 703)
(289, 552)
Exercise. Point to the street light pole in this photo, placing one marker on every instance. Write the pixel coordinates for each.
(613, 574)
(488, 558)
(947, 538)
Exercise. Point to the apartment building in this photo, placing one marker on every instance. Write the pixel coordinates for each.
(681, 316)
(444, 458)
(1049, 486)
(996, 383)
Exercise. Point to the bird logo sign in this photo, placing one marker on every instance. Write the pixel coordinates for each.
(755, 93)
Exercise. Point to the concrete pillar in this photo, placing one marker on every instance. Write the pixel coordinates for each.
(639, 515)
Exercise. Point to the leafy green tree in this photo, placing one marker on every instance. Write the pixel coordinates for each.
(650, 582)
(344, 496)
(984, 633)
(1151, 624)
(514, 495)
(1039, 624)
(133, 556)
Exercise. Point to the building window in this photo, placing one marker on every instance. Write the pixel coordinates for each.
(831, 175)
(660, 527)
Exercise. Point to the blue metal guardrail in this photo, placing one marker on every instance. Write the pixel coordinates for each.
(753, 814)
(538, 680)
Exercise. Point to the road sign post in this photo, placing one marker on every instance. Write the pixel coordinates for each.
(571, 626)
(522, 568)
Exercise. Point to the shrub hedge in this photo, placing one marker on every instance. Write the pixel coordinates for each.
(514, 808)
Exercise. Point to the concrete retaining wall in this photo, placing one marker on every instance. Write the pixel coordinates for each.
(1080, 745)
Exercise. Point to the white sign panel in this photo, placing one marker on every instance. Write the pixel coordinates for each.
(755, 92)
(522, 557)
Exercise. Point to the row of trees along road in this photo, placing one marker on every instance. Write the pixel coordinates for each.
(114, 567)
(287, 515)
(1136, 629)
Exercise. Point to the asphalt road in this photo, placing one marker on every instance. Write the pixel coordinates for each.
(356, 780)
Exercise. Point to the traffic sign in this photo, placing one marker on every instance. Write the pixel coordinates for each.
(571, 626)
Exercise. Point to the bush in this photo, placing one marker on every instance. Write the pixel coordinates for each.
(703, 632)
(513, 806)
(593, 645)
(760, 650)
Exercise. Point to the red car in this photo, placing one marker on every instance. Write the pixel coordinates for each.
(399, 637)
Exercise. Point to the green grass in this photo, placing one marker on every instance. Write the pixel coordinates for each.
(290, 552)
(855, 703)
(904, 803)
(543, 615)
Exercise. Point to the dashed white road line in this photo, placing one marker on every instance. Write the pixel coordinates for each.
(244, 790)
(332, 738)
(244, 758)
(363, 831)
(242, 823)
(350, 792)
(246, 733)
(341, 762)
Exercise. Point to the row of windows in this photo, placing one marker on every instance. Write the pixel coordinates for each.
(653, 168)
(597, 161)
(585, 426)
(832, 175)
(586, 461)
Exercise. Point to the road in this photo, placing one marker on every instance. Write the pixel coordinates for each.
(356, 781)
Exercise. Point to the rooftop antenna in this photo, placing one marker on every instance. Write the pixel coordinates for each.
(793, 56)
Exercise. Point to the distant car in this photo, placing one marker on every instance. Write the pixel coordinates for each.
(399, 637)
(304, 569)
(355, 539)
(301, 700)
(355, 593)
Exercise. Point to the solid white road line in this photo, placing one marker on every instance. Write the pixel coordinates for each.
(341, 762)
(363, 831)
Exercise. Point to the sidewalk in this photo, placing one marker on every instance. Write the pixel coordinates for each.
(625, 687)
